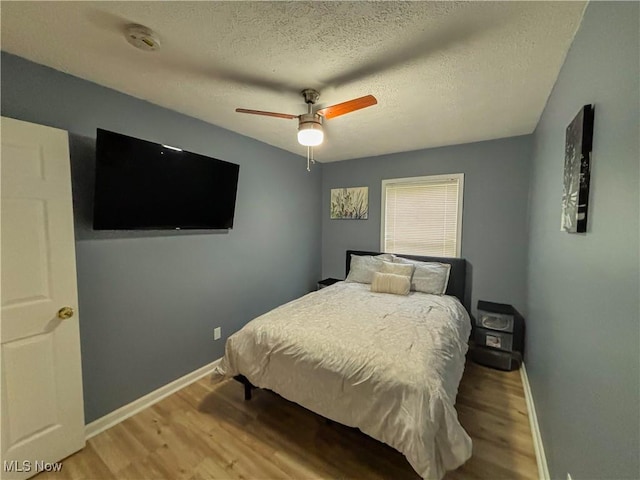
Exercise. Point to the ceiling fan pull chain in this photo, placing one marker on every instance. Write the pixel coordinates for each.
(312, 159)
(308, 154)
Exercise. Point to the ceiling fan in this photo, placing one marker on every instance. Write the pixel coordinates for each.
(310, 131)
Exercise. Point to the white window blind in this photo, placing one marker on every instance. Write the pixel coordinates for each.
(422, 215)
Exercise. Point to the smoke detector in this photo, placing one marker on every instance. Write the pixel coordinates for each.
(142, 37)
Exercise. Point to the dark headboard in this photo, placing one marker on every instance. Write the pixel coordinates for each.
(457, 277)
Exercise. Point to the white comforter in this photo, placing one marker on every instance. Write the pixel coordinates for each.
(389, 365)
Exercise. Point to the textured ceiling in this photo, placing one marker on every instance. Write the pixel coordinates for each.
(443, 72)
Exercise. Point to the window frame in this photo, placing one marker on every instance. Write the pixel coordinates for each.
(425, 179)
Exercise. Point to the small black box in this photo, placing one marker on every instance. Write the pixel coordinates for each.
(327, 282)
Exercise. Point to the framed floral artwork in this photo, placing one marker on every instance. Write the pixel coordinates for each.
(577, 171)
(350, 203)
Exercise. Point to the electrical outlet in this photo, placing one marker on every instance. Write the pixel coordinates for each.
(217, 333)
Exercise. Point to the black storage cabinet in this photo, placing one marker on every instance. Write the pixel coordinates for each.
(498, 336)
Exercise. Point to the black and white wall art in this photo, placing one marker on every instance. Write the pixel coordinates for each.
(577, 171)
(350, 203)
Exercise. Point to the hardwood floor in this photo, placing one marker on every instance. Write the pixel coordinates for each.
(208, 431)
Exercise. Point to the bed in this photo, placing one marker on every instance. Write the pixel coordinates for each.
(387, 364)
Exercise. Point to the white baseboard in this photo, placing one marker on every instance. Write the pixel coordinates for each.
(126, 411)
(541, 459)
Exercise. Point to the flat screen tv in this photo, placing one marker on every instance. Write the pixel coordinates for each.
(142, 185)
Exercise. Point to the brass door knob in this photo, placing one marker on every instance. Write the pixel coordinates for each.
(65, 312)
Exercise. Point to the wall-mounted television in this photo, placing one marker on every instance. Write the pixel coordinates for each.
(143, 185)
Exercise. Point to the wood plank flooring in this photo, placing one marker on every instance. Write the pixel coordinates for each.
(208, 431)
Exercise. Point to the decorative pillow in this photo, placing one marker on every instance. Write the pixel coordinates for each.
(397, 269)
(428, 277)
(391, 283)
(364, 266)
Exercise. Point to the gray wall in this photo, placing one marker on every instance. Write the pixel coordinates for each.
(494, 220)
(584, 320)
(148, 302)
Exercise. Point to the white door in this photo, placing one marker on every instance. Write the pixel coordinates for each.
(42, 409)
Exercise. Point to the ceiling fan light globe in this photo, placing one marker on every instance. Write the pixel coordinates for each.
(310, 135)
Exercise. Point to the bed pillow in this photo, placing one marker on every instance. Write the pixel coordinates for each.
(364, 266)
(428, 277)
(391, 283)
(404, 269)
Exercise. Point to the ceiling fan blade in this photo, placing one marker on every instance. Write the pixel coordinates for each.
(267, 114)
(347, 107)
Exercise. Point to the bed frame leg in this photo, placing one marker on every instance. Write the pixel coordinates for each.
(247, 385)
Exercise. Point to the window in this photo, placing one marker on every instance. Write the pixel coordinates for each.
(422, 215)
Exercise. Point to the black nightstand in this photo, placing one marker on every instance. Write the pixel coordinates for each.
(498, 335)
(327, 282)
